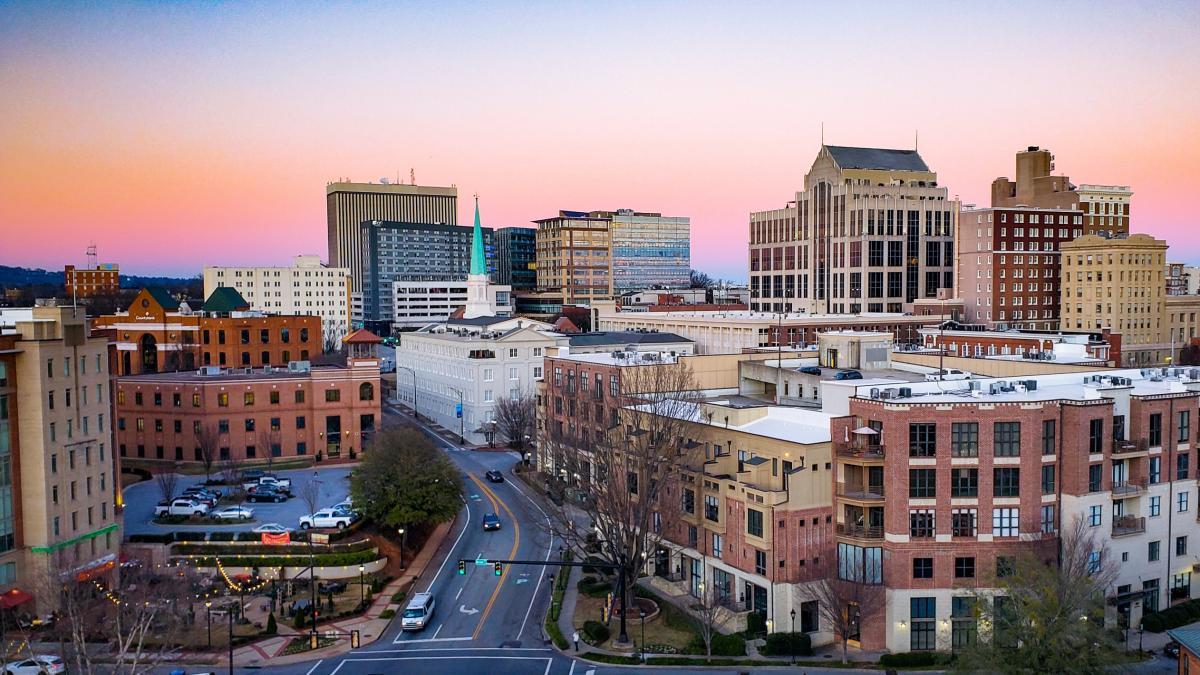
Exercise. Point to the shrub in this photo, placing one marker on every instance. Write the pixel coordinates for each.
(326, 560)
(787, 644)
(1172, 617)
(272, 628)
(387, 614)
(593, 587)
(398, 596)
(756, 624)
(164, 538)
(915, 659)
(300, 620)
(555, 634)
(722, 645)
(595, 632)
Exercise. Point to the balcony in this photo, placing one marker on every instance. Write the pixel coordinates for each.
(860, 492)
(1127, 525)
(1121, 448)
(874, 532)
(1128, 488)
(860, 451)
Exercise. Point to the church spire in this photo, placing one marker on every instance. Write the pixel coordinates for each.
(478, 261)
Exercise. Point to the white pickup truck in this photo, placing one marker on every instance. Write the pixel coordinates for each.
(181, 507)
(280, 484)
(948, 374)
(327, 518)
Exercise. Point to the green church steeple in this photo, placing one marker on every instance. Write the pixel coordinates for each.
(478, 260)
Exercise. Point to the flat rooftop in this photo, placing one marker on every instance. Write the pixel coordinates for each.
(797, 425)
(770, 318)
(230, 375)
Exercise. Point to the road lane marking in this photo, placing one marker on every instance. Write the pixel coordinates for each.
(439, 629)
(310, 670)
(549, 550)
(504, 573)
(409, 642)
(572, 667)
(449, 555)
(472, 649)
(460, 590)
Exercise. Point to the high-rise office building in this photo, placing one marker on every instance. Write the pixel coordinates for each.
(1105, 208)
(871, 231)
(516, 257)
(351, 204)
(588, 256)
(395, 251)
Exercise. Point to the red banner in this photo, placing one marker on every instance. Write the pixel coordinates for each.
(276, 539)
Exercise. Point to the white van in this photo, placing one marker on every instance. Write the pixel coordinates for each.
(418, 613)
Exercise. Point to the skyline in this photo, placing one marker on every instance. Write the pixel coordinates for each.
(175, 136)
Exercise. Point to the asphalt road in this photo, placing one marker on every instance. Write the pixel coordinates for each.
(141, 498)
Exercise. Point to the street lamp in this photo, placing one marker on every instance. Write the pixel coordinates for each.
(362, 586)
(208, 610)
(462, 416)
(642, 613)
(413, 372)
(492, 436)
(230, 643)
(401, 531)
(792, 637)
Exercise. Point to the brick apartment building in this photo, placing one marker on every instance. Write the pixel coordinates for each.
(1096, 348)
(325, 411)
(159, 334)
(1104, 208)
(104, 279)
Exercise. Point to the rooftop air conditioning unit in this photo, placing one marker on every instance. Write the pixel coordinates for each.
(874, 392)
(1031, 385)
(885, 394)
(994, 388)
(973, 385)
(1194, 373)
(905, 392)
(210, 370)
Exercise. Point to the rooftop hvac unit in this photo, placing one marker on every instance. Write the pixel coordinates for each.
(1031, 385)
(973, 385)
(1194, 373)
(874, 392)
(994, 388)
(209, 370)
(905, 392)
(885, 394)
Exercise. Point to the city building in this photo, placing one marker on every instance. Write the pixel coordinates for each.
(1177, 278)
(732, 332)
(351, 204)
(103, 279)
(158, 333)
(516, 257)
(394, 251)
(419, 303)
(1117, 284)
(871, 231)
(1009, 266)
(1105, 208)
(59, 480)
(252, 414)
(631, 341)
(976, 341)
(695, 299)
(585, 256)
(307, 288)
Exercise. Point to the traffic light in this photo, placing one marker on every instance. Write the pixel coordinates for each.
(462, 566)
(499, 569)
(354, 639)
(312, 641)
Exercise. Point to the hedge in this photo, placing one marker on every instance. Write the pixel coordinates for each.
(722, 645)
(1172, 617)
(555, 634)
(915, 659)
(321, 560)
(787, 644)
(387, 614)
(266, 549)
(593, 587)
(595, 632)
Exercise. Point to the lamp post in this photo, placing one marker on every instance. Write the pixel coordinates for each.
(402, 540)
(416, 414)
(230, 643)
(492, 435)
(462, 416)
(792, 637)
(208, 610)
(362, 586)
(642, 614)
(525, 449)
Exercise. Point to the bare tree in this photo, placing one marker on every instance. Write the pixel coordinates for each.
(849, 596)
(310, 494)
(208, 443)
(707, 609)
(624, 465)
(331, 337)
(515, 418)
(231, 468)
(167, 480)
(268, 439)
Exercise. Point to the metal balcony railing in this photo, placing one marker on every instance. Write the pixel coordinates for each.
(864, 451)
(1125, 488)
(860, 531)
(860, 491)
(1124, 525)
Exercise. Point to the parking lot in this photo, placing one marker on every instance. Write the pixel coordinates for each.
(141, 498)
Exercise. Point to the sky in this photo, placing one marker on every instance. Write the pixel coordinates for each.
(175, 135)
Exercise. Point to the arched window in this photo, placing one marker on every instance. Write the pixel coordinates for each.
(366, 392)
(304, 335)
(285, 335)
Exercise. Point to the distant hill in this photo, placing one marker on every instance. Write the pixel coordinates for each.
(24, 276)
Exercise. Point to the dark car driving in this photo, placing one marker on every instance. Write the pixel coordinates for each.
(491, 522)
(494, 476)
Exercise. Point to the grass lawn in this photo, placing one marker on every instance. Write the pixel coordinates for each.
(657, 630)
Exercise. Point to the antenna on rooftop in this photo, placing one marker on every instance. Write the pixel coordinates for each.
(916, 139)
(822, 133)
(412, 176)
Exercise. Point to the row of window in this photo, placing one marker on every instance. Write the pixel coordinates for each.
(366, 392)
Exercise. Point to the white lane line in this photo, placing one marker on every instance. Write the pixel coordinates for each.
(408, 642)
(338, 667)
(548, 664)
(549, 549)
(460, 590)
(572, 667)
(310, 670)
(439, 629)
(472, 649)
(467, 508)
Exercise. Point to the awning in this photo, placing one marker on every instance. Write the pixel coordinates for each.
(866, 431)
(13, 597)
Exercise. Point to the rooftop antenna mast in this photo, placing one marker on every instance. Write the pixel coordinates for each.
(916, 139)
(412, 176)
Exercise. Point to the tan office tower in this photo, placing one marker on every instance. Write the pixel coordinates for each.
(349, 204)
(1105, 208)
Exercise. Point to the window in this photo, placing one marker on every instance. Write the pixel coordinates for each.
(1096, 436)
(1047, 479)
(1152, 551)
(689, 500)
(963, 522)
(1006, 566)
(964, 629)
(964, 439)
(333, 395)
(964, 482)
(922, 440)
(366, 392)
(1006, 482)
(810, 616)
(920, 523)
(1181, 545)
(1048, 519)
(1155, 429)
(1095, 474)
(921, 615)
(274, 397)
(922, 483)
(1181, 501)
(964, 568)
(1181, 466)
(712, 509)
(1155, 505)
(760, 562)
(196, 400)
(754, 522)
(1004, 522)
(1185, 425)
(1007, 441)
(718, 543)
(249, 424)
(922, 568)
(1095, 515)
(1155, 470)
(299, 397)
(223, 400)
(1094, 562)
(1048, 433)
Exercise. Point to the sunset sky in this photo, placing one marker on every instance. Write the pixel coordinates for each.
(179, 134)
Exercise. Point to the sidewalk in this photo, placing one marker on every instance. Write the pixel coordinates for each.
(370, 626)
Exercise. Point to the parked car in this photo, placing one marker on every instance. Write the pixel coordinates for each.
(265, 494)
(38, 665)
(234, 513)
(848, 375)
(330, 587)
(418, 612)
(280, 484)
(216, 492)
(326, 518)
(181, 507)
(1171, 649)
(345, 509)
(948, 374)
(201, 496)
(494, 476)
(811, 370)
(491, 522)
(272, 528)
